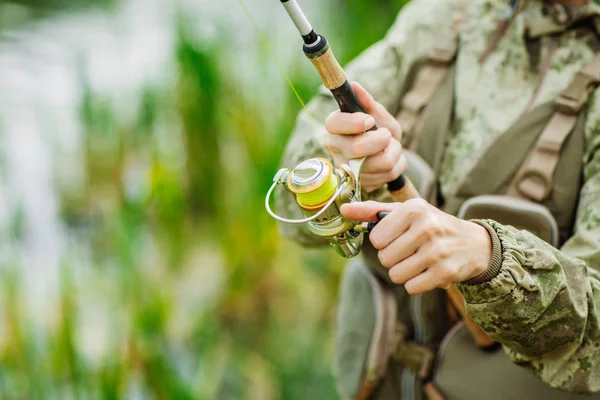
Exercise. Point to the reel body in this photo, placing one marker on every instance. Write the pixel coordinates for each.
(319, 191)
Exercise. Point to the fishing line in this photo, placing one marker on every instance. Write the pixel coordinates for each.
(281, 69)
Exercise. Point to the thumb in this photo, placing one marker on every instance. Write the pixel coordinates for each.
(365, 211)
(364, 97)
(382, 117)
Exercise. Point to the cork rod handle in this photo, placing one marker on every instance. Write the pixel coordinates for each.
(334, 79)
(406, 191)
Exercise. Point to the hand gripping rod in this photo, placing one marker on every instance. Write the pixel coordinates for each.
(317, 50)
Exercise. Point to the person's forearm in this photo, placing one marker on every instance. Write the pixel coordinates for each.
(542, 305)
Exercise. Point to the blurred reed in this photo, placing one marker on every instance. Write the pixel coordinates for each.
(175, 283)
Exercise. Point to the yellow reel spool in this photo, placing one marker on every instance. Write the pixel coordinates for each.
(314, 182)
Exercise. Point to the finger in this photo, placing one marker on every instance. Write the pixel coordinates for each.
(365, 211)
(408, 269)
(341, 123)
(402, 248)
(390, 228)
(384, 177)
(422, 283)
(364, 97)
(384, 161)
(363, 145)
(377, 110)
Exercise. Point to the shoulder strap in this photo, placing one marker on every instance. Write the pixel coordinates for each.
(428, 81)
(533, 181)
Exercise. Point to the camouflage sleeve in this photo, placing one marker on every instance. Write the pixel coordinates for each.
(382, 69)
(544, 304)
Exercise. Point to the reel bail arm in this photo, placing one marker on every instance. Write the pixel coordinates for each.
(319, 191)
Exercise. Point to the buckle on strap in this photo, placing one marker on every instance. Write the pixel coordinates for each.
(576, 95)
(417, 357)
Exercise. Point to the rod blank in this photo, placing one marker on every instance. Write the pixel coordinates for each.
(297, 16)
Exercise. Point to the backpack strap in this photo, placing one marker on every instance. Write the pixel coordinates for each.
(428, 81)
(533, 181)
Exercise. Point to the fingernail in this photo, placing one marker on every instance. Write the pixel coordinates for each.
(369, 122)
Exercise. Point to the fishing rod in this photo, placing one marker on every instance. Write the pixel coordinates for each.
(317, 50)
(319, 189)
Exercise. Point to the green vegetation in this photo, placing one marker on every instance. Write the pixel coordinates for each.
(191, 293)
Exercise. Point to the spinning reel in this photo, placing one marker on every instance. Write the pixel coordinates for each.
(320, 190)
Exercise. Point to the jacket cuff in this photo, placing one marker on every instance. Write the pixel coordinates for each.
(495, 265)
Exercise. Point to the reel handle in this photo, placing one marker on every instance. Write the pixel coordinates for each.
(401, 188)
(380, 215)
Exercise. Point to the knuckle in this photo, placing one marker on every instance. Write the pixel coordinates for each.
(421, 204)
(411, 288)
(388, 162)
(424, 236)
(434, 229)
(397, 147)
(403, 161)
(395, 277)
(443, 252)
(397, 169)
(332, 121)
(385, 258)
(384, 133)
(418, 207)
(412, 213)
(393, 173)
(376, 241)
(429, 233)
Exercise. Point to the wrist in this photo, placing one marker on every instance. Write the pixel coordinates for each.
(492, 254)
(483, 253)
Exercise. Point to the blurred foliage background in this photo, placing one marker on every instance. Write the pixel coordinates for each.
(137, 141)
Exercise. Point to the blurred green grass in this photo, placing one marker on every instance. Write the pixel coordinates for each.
(203, 298)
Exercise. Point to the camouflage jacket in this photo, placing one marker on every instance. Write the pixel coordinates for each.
(544, 303)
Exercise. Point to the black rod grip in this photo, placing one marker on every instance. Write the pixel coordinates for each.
(380, 215)
(348, 102)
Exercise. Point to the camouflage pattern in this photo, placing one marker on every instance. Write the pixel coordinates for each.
(544, 305)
